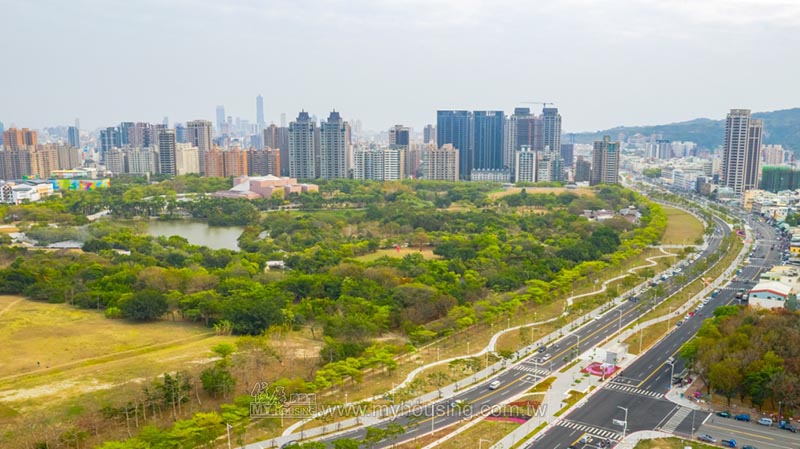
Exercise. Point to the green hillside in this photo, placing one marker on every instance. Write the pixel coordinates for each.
(780, 127)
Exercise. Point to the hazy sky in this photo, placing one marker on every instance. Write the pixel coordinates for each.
(603, 62)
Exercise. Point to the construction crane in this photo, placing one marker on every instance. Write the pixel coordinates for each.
(543, 103)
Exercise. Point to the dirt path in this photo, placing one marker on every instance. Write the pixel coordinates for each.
(6, 309)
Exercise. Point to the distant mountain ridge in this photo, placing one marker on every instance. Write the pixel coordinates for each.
(780, 127)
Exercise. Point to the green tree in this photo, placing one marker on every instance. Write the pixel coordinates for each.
(143, 305)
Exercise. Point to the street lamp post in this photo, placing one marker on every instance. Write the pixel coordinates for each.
(671, 374)
(625, 425)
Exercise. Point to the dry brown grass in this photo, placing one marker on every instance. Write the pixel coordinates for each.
(582, 191)
(682, 227)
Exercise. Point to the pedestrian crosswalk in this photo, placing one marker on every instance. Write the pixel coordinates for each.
(591, 430)
(530, 369)
(634, 390)
(676, 419)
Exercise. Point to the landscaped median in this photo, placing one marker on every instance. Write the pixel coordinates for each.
(646, 337)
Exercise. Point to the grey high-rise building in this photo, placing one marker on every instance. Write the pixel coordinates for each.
(2, 128)
(302, 147)
(454, 127)
(260, 113)
(741, 159)
(109, 138)
(583, 170)
(429, 134)
(167, 146)
(199, 134)
(334, 147)
(568, 153)
(74, 136)
(605, 162)
(278, 137)
(220, 119)
(551, 130)
(525, 128)
(400, 135)
(487, 140)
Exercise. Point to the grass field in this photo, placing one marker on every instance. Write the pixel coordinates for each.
(671, 443)
(682, 228)
(426, 252)
(79, 352)
(488, 431)
(582, 191)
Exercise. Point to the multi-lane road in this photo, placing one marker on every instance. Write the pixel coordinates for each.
(520, 377)
(641, 387)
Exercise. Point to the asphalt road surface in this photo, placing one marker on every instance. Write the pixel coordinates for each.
(641, 387)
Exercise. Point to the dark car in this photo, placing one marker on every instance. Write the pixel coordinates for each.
(707, 438)
(542, 348)
(723, 414)
(742, 417)
(747, 446)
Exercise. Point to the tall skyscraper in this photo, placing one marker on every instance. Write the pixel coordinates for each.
(454, 127)
(260, 113)
(109, 138)
(551, 130)
(181, 133)
(568, 153)
(14, 139)
(263, 162)
(487, 140)
(2, 129)
(199, 134)
(741, 161)
(220, 119)
(334, 147)
(302, 147)
(167, 144)
(605, 162)
(74, 136)
(583, 170)
(510, 142)
(525, 164)
(429, 134)
(400, 135)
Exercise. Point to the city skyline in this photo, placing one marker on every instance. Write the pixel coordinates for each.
(683, 48)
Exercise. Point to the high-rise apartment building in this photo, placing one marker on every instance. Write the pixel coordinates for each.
(116, 161)
(741, 161)
(379, 164)
(525, 164)
(44, 159)
(605, 162)
(510, 142)
(455, 128)
(2, 130)
(551, 130)
(167, 145)
(487, 140)
(303, 147)
(199, 134)
(109, 138)
(15, 164)
(773, 155)
(568, 153)
(583, 170)
(334, 148)
(278, 138)
(260, 113)
(187, 158)
(441, 164)
(400, 135)
(19, 139)
(263, 162)
(142, 160)
(69, 157)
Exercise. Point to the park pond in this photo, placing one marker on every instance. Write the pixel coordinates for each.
(198, 233)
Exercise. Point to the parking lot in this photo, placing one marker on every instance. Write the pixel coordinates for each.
(748, 433)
